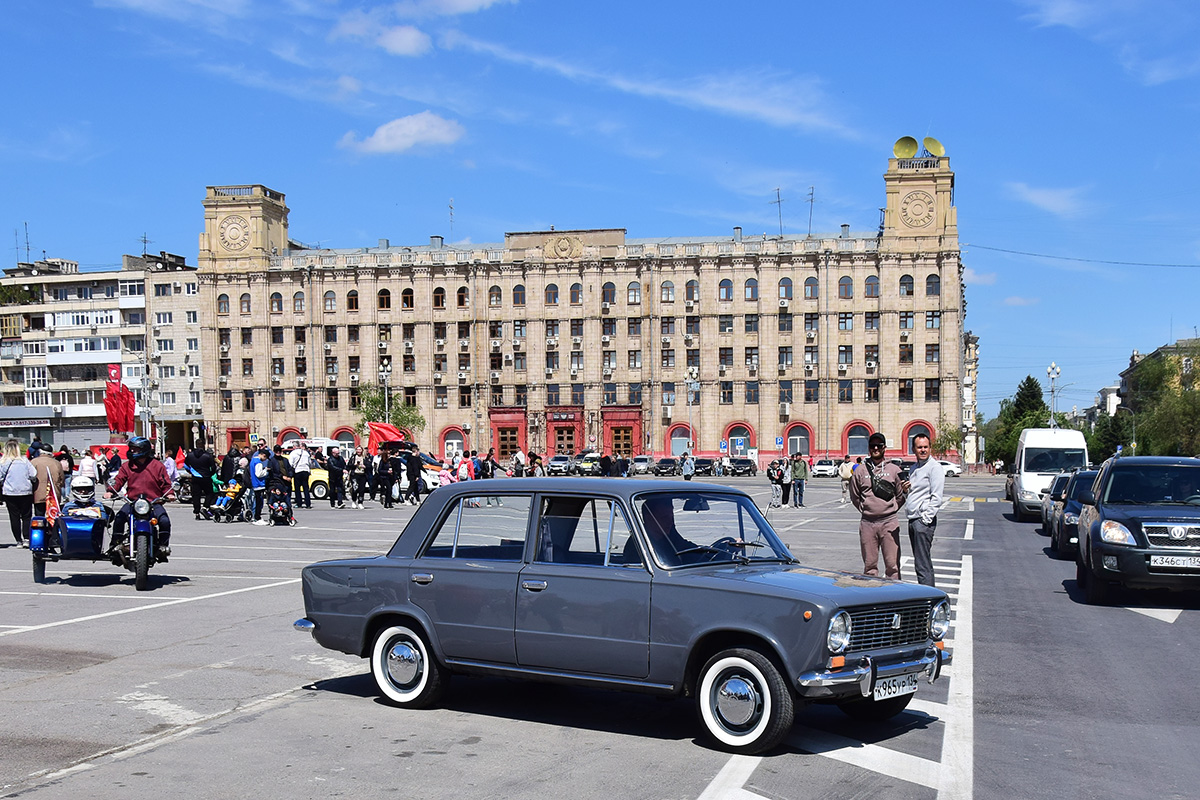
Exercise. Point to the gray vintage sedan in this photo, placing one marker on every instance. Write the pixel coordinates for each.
(667, 588)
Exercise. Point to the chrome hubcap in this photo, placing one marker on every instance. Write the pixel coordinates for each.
(737, 701)
(403, 664)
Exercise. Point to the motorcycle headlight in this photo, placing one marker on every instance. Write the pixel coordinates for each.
(838, 637)
(1116, 533)
(141, 507)
(939, 621)
(1070, 519)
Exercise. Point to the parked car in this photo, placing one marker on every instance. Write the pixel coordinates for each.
(559, 464)
(1064, 524)
(825, 468)
(704, 466)
(1049, 500)
(641, 465)
(588, 464)
(1139, 526)
(952, 470)
(743, 466)
(668, 589)
(667, 466)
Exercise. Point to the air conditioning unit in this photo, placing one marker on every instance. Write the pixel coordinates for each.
(409, 344)
(810, 335)
(576, 340)
(605, 339)
(299, 349)
(495, 376)
(551, 341)
(574, 372)
(689, 304)
(274, 379)
(437, 377)
(549, 371)
(608, 372)
(785, 409)
(841, 368)
(354, 377)
(808, 369)
(440, 342)
(328, 347)
(178, 286)
(904, 336)
(224, 379)
(157, 330)
(58, 409)
(784, 302)
(301, 380)
(667, 412)
(604, 306)
(275, 430)
(516, 343)
(666, 340)
(462, 376)
(383, 345)
(303, 431)
(872, 365)
(753, 368)
(331, 379)
(687, 338)
(721, 368)
(464, 343)
(496, 344)
(225, 348)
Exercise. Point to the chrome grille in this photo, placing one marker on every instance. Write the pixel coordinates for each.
(1159, 534)
(872, 626)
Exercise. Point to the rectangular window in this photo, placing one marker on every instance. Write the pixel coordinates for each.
(464, 396)
(811, 355)
(352, 334)
(520, 361)
(933, 353)
(552, 394)
(785, 356)
(409, 363)
(440, 398)
(166, 398)
(331, 399)
(277, 335)
(519, 328)
(635, 359)
(635, 394)
(725, 323)
(193, 344)
(785, 391)
(226, 400)
(278, 400)
(933, 319)
(355, 398)
(785, 322)
(609, 394)
(871, 354)
(727, 393)
(693, 358)
(464, 361)
(577, 327)
(576, 394)
(906, 320)
(906, 354)
(668, 358)
(933, 390)
(301, 366)
(871, 321)
(751, 356)
(668, 393)
(846, 354)
(752, 393)
(871, 390)
(906, 390)
(247, 337)
(608, 326)
(725, 356)
(692, 326)
(163, 318)
(811, 322)
(192, 288)
(752, 323)
(248, 400)
(667, 324)
(277, 366)
(812, 390)
(164, 345)
(302, 399)
(845, 321)
(410, 395)
(330, 334)
(635, 326)
(247, 367)
(299, 334)
(162, 290)
(845, 391)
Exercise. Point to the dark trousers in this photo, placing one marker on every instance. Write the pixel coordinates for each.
(300, 483)
(20, 512)
(414, 487)
(358, 487)
(337, 489)
(797, 492)
(260, 497)
(160, 514)
(203, 495)
(383, 485)
(787, 490)
(920, 536)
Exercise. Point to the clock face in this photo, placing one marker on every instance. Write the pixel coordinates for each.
(916, 209)
(234, 232)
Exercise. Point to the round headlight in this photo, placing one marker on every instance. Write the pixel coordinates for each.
(839, 632)
(141, 507)
(939, 621)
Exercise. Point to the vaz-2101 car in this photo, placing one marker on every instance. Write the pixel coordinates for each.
(665, 588)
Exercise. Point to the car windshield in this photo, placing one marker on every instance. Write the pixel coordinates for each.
(1153, 484)
(694, 528)
(1053, 459)
(560, 458)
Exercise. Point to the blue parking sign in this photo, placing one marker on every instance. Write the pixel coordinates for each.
(739, 443)
(724, 445)
(779, 441)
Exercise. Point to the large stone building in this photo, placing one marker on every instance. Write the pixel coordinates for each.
(557, 340)
(64, 333)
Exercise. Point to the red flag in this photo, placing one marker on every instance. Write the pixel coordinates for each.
(179, 458)
(382, 432)
(112, 406)
(128, 406)
(52, 509)
(114, 373)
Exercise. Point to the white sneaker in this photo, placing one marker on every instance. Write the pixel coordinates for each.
(261, 522)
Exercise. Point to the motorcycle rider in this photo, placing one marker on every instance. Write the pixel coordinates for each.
(142, 474)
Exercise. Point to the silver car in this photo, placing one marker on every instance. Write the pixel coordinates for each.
(660, 587)
(640, 465)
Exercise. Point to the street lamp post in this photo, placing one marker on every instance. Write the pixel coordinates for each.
(1132, 416)
(1052, 372)
(693, 385)
(385, 377)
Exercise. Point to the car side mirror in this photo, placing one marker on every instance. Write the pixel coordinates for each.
(1057, 497)
(1087, 498)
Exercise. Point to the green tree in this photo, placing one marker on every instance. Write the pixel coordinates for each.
(949, 437)
(1028, 398)
(376, 406)
(1026, 409)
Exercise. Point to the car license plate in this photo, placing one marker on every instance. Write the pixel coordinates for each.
(1182, 562)
(894, 687)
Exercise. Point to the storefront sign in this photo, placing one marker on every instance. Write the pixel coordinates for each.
(24, 423)
(564, 416)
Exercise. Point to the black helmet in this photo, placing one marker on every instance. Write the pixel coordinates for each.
(139, 448)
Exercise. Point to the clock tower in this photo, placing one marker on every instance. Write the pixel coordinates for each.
(920, 215)
(243, 227)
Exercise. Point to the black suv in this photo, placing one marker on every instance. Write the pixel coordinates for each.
(704, 466)
(742, 466)
(1139, 526)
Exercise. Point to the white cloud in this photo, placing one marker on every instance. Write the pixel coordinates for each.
(444, 8)
(781, 100)
(1068, 13)
(181, 9)
(974, 278)
(1022, 301)
(1060, 202)
(404, 40)
(405, 133)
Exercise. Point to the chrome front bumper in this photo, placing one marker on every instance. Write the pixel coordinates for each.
(867, 671)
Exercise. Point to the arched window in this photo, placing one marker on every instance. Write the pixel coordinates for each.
(785, 288)
(276, 302)
(691, 291)
(453, 444)
(298, 301)
(463, 296)
(244, 304)
(871, 286)
(739, 440)
(667, 292)
(576, 294)
(915, 431)
(495, 297)
(552, 294)
(519, 294)
(330, 301)
(906, 286)
(797, 440)
(383, 300)
(223, 304)
(608, 293)
(633, 294)
(933, 286)
(845, 287)
(406, 298)
(811, 289)
(751, 289)
(352, 300)
(856, 440)
(439, 297)
(679, 440)
(725, 289)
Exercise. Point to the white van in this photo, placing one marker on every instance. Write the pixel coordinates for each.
(1043, 453)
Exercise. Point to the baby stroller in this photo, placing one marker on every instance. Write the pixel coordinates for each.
(279, 505)
(234, 504)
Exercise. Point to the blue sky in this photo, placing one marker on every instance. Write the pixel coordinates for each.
(1071, 125)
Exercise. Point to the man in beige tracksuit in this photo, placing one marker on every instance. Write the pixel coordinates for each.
(879, 529)
(845, 472)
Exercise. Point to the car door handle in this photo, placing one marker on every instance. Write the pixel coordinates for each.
(422, 578)
(533, 586)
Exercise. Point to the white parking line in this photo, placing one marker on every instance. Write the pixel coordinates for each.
(873, 757)
(970, 534)
(728, 783)
(958, 741)
(91, 617)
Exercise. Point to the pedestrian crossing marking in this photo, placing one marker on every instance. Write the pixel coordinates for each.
(974, 500)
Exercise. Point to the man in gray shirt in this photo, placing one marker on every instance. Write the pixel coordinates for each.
(927, 481)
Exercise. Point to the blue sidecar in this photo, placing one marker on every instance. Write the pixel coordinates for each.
(79, 533)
